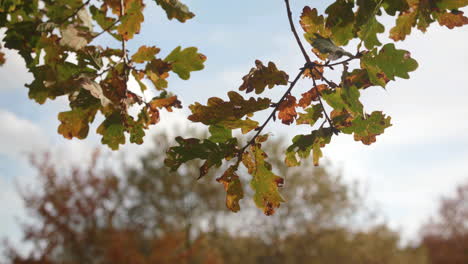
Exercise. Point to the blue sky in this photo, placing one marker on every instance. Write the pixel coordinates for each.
(422, 156)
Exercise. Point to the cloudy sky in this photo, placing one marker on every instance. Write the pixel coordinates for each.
(422, 156)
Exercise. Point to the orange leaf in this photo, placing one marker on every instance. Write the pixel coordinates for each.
(287, 110)
(311, 95)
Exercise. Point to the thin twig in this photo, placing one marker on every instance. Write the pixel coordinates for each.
(260, 129)
(330, 83)
(319, 96)
(107, 28)
(293, 29)
(75, 12)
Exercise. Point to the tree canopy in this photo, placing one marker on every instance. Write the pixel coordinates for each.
(57, 40)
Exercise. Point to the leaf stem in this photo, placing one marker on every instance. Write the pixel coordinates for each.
(293, 29)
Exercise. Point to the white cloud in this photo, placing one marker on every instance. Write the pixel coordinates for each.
(19, 136)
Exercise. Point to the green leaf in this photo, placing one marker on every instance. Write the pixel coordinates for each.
(451, 4)
(264, 182)
(175, 9)
(260, 77)
(112, 131)
(233, 187)
(219, 134)
(193, 148)
(303, 145)
(340, 21)
(311, 116)
(217, 110)
(366, 129)
(346, 97)
(369, 31)
(185, 61)
(246, 125)
(392, 6)
(390, 62)
(404, 23)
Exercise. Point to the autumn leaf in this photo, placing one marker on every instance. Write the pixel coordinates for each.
(260, 77)
(312, 23)
(311, 116)
(157, 71)
(219, 134)
(366, 129)
(145, 53)
(388, 61)
(192, 148)
(303, 145)
(185, 61)
(175, 9)
(340, 21)
(287, 110)
(130, 23)
(264, 182)
(311, 95)
(233, 188)
(112, 131)
(75, 123)
(167, 103)
(452, 19)
(217, 110)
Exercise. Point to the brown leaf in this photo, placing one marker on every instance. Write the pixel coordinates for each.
(167, 103)
(261, 77)
(311, 95)
(287, 110)
(453, 19)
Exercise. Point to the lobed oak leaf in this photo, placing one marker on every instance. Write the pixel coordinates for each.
(452, 19)
(175, 9)
(217, 110)
(185, 61)
(303, 145)
(369, 31)
(388, 61)
(167, 103)
(193, 148)
(233, 188)
(130, 22)
(246, 125)
(366, 129)
(287, 110)
(404, 23)
(112, 131)
(264, 182)
(312, 23)
(75, 123)
(260, 77)
(311, 95)
(145, 53)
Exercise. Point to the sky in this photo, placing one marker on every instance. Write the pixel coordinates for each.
(423, 156)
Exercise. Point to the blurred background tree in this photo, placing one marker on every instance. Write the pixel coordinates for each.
(446, 235)
(97, 213)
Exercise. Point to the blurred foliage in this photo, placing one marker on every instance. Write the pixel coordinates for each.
(96, 213)
(446, 235)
